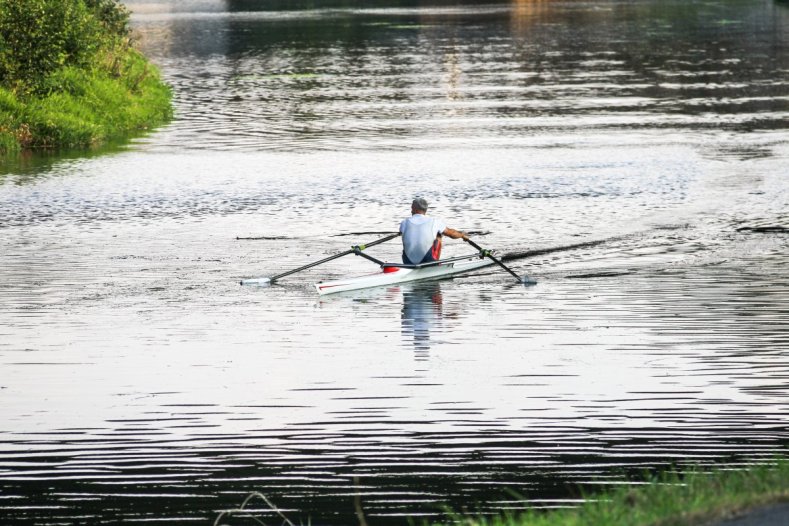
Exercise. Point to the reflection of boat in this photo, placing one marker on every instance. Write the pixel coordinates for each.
(392, 274)
(423, 310)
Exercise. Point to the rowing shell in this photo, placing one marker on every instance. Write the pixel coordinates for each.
(393, 275)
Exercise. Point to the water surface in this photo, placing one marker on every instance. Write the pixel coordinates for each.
(632, 157)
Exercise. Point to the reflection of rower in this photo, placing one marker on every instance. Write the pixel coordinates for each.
(422, 308)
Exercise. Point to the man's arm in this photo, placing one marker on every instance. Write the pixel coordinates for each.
(455, 234)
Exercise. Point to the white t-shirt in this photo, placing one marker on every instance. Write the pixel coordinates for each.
(419, 231)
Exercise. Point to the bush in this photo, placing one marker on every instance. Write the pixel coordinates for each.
(69, 76)
(38, 37)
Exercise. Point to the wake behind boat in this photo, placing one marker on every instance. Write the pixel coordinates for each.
(393, 273)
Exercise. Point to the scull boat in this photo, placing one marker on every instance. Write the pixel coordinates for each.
(392, 274)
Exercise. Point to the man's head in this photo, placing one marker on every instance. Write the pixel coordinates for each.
(419, 206)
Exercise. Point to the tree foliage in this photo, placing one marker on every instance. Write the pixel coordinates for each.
(70, 76)
(38, 37)
(112, 15)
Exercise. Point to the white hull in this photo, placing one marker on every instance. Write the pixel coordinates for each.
(401, 275)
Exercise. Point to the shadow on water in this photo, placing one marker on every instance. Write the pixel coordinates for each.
(30, 166)
(316, 477)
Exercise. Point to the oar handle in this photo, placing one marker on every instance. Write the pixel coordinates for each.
(470, 242)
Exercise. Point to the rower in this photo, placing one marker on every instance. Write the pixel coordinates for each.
(422, 235)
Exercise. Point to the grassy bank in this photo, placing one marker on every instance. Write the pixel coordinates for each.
(86, 89)
(690, 499)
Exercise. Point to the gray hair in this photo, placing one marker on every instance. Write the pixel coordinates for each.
(420, 203)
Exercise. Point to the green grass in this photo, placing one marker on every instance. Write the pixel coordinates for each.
(86, 107)
(669, 499)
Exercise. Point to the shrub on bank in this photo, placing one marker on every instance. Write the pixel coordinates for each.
(70, 76)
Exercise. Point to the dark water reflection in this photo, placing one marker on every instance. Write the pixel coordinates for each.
(632, 156)
(425, 75)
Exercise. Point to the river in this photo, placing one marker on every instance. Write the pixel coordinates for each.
(632, 157)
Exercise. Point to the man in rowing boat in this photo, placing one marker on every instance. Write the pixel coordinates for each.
(422, 235)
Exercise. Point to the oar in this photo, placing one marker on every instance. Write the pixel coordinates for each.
(525, 280)
(355, 249)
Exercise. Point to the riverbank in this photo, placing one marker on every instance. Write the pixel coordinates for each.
(99, 89)
(692, 498)
(92, 108)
